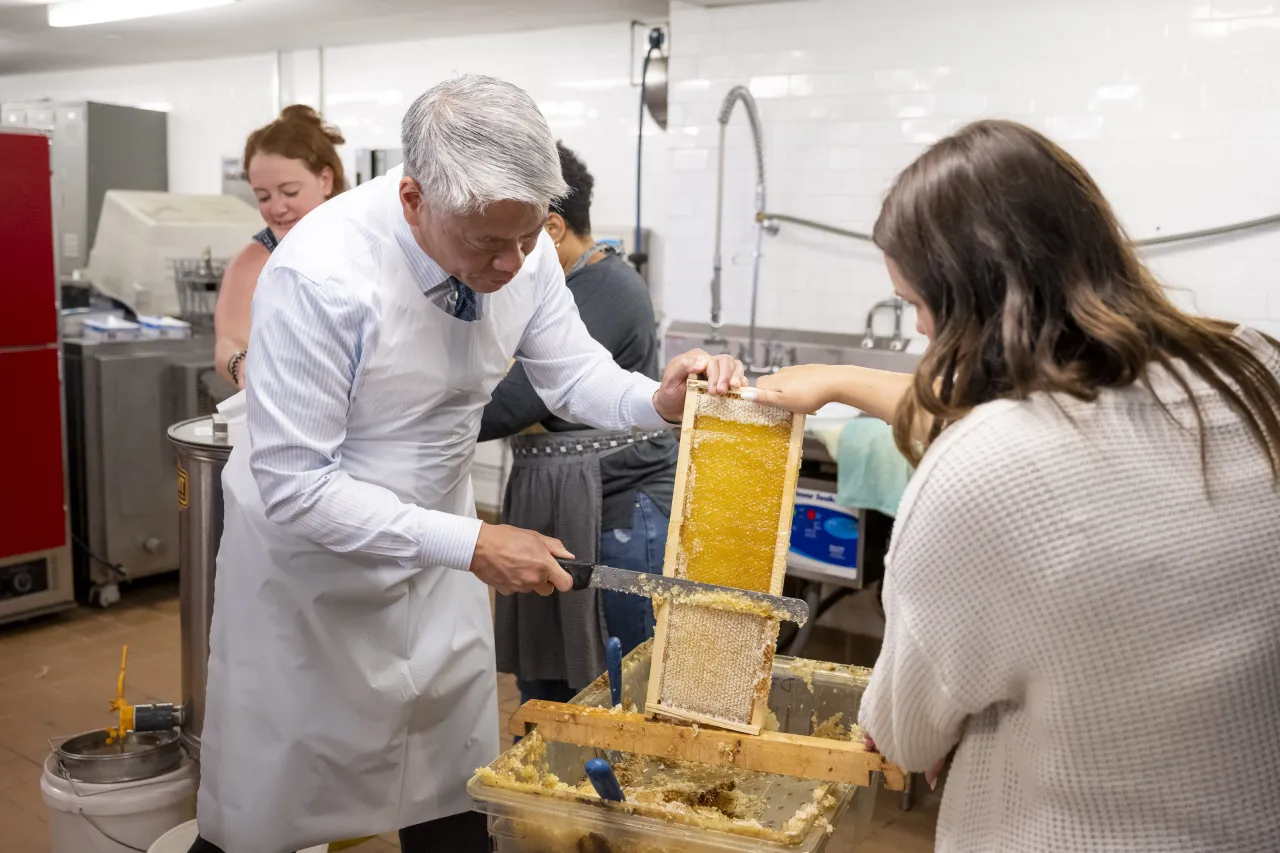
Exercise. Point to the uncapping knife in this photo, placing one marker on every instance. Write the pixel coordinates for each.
(678, 589)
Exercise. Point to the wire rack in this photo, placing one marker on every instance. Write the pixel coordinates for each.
(197, 281)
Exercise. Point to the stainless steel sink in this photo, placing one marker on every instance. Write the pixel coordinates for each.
(798, 347)
(882, 359)
(791, 346)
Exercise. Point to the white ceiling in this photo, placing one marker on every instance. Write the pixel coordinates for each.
(28, 44)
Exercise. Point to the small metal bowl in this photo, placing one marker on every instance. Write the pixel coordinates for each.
(141, 755)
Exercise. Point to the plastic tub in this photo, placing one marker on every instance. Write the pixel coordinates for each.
(111, 328)
(116, 818)
(805, 694)
(164, 327)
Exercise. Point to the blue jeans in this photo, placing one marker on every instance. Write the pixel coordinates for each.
(627, 617)
(640, 549)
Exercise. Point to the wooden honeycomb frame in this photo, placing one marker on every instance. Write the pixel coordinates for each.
(804, 756)
(727, 656)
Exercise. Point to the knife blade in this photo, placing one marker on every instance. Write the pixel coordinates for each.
(685, 591)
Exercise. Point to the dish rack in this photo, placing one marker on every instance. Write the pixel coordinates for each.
(198, 281)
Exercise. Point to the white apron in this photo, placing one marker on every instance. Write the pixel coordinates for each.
(348, 695)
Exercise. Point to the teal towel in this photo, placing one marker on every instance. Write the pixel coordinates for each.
(871, 472)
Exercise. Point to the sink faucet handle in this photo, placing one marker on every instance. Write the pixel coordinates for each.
(772, 355)
(898, 307)
(895, 304)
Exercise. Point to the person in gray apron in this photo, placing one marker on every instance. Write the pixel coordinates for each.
(606, 496)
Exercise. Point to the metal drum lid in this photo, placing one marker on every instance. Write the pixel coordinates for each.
(141, 755)
(210, 433)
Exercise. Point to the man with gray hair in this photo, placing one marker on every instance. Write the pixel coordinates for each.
(351, 684)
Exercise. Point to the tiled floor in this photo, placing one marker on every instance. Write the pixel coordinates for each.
(57, 675)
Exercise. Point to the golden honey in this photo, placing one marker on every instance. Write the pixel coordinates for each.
(733, 499)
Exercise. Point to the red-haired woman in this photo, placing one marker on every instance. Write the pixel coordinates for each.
(1081, 592)
(293, 167)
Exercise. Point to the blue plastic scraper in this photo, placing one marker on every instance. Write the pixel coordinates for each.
(613, 657)
(604, 781)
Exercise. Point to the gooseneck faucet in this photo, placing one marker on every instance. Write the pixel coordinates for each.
(739, 94)
(869, 333)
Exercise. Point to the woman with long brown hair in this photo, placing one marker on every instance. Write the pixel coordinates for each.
(1080, 596)
(293, 167)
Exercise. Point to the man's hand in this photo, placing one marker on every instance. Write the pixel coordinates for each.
(724, 373)
(510, 559)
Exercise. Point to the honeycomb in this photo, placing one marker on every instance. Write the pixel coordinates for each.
(714, 660)
(730, 532)
(732, 501)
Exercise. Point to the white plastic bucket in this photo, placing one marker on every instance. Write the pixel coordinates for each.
(119, 818)
(180, 838)
(177, 840)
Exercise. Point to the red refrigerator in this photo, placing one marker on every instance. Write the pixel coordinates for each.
(35, 556)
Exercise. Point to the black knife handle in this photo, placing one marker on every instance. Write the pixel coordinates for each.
(579, 571)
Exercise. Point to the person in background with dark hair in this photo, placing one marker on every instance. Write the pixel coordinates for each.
(1080, 596)
(601, 494)
(293, 168)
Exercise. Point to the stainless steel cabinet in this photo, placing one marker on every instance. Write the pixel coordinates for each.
(121, 399)
(96, 147)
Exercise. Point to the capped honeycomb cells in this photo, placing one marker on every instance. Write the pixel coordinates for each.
(732, 501)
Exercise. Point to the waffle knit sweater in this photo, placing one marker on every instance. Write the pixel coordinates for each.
(1098, 633)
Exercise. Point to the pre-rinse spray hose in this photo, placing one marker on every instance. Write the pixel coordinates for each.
(639, 257)
(1202, 234)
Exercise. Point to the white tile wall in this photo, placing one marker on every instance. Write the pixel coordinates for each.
(580, 76)
(212, 105)
(1174, 106)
